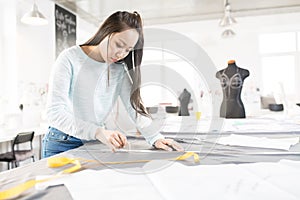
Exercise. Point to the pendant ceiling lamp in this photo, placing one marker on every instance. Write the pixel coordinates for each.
(34, 17)
(227, 19)
(227, 33)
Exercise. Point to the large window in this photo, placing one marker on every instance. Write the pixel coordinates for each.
(280, 63)
(168, 68)
(279, 70)
(172, 75)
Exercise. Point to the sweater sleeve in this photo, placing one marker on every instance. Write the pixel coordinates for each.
(59, 106)
(147, 127)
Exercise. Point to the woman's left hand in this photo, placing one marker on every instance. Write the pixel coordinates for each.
(168, 145)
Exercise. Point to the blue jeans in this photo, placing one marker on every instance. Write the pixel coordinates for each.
(55, 142)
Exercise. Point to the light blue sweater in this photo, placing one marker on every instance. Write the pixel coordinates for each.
(79, 98)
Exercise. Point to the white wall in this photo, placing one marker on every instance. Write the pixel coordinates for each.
(35, 44)
(243, 47)
(8, 54)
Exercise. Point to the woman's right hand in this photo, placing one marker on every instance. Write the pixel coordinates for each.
(113, 139)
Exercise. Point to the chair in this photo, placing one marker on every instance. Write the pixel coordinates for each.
(16, 155)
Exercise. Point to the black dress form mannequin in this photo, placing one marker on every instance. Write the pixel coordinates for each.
(232, 79)
(184, 99)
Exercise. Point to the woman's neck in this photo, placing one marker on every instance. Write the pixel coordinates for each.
(93, 52)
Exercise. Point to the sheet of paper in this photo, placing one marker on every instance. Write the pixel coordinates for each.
(284, 175)
(259, 125)
(262, 142)
(250, 125)
(111, 184)
(173, 180)
(247, 125)
(227, 181)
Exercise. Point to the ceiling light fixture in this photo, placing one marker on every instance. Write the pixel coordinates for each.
(227, 20)
(228, 33)
(34, 17)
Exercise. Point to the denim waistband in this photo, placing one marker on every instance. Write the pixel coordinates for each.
(55, 130)
(62, 134)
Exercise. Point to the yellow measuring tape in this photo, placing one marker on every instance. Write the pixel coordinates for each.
(52, 162)
(55, 162)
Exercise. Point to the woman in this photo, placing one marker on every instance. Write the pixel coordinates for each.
(86, 81)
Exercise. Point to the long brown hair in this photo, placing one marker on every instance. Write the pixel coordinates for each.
(118, 22)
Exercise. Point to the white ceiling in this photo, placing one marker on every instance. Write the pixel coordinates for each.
(168, 11)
